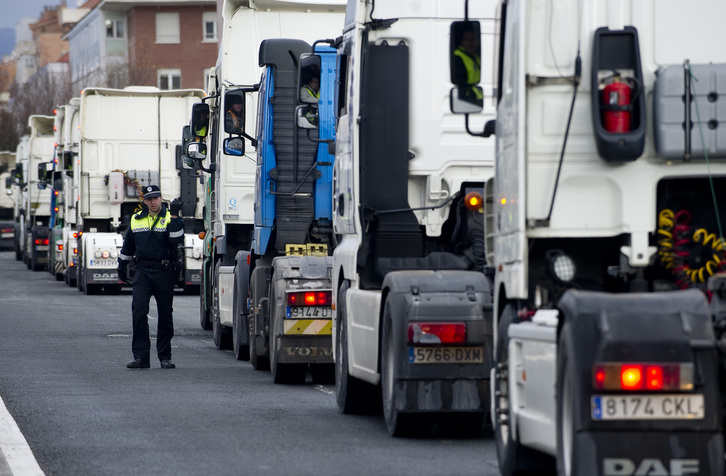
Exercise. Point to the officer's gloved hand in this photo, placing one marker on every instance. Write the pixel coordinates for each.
(123, 268)
(175, 207)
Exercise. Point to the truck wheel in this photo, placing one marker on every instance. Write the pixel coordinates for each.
(398, 424)
(222, 336)
(258, 362)
(281, 373)
(513, 458)
(205, 292)
(353, 395)
(79, 279)
(565, 407)
(239, 329)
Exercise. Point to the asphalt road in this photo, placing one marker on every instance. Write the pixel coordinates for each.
(64, 381)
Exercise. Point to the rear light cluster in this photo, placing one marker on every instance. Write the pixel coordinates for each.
(7, 230)
(642, 376)
(310, 298)
(42, 241)
(424, 333)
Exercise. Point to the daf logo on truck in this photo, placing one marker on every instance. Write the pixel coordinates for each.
(652, 466)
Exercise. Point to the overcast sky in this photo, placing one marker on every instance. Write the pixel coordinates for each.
(14, 10)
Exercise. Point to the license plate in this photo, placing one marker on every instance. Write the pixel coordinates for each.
(445, 355)
(42, 247)
(648, 407)
(7, 235)
(316, 312)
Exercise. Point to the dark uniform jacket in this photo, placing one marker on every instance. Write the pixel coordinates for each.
(153, 239)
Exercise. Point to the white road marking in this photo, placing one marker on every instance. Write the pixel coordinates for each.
(19, 459)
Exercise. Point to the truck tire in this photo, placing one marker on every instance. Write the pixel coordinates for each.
(514, 459)
(566, 448)
(353, 395)
(205, 293)
(239, 327)
(258, 362)
(398, 424)
(222, 336)
(281, 373)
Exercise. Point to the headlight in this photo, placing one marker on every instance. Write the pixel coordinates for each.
(561, 266)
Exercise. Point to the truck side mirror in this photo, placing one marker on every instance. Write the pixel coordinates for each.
(196, 150)
(58, 181)
(234, 146)
(186, 136)
(234, 115)
(200, 120)
(187, 163)
(307, 117)
(465, 53)
(43, 171)
(18, 174)
(466, 99)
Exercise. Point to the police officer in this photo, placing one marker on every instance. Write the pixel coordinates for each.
(151, 240)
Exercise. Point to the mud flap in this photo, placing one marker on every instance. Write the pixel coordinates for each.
(671, 327)
(420, 296)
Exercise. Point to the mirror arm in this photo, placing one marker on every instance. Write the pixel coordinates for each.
(484, 133)
(319, 141)
(253, 142)
(212, 167)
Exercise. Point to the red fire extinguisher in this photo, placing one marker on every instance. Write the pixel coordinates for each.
(616, 106)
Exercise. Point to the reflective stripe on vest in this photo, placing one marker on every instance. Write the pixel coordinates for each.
(144, 224)
(473, 76)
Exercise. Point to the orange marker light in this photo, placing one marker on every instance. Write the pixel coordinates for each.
(631, 376)
(473, 201)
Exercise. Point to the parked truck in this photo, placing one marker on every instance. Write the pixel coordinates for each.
(230, 204)
(7, 201)
(63, 257)
(286, 272)
(35, 155)
(17, 184)
(606, 212)
(412, 320)
(128, 138)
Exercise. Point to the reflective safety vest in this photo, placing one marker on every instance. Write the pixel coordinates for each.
(313, 93)
(153, 238)
(472, 65)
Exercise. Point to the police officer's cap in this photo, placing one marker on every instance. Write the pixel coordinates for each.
(151, 191)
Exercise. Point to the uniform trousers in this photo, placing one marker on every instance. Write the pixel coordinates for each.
(160, 284)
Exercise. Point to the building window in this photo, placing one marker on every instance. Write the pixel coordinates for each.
(169, 78)
(209, 25)
(167, 28)
(115, 29)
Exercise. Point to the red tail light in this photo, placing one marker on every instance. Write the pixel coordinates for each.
(437, 333)
(41, 241)
(311, 298)
(60, 247)
(642, 376)
(75, 235)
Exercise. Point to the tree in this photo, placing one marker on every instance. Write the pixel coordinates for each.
(41, 94)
